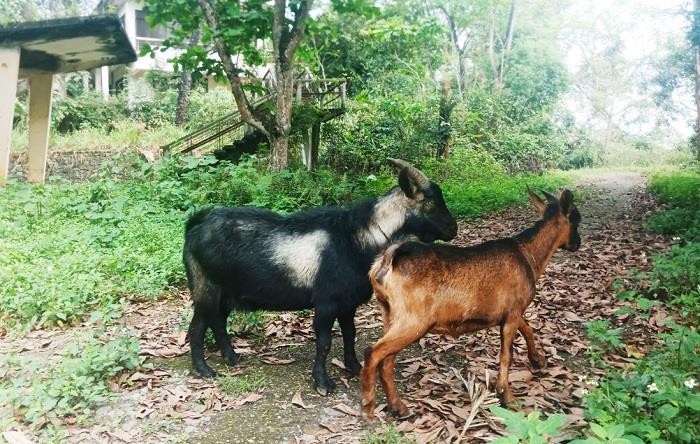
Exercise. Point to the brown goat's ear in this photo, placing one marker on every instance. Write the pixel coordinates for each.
(409, 185)
(538, 203)
(566, 202)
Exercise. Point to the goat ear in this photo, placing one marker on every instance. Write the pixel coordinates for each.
(538, 203)
(566, 202)
(409, 185)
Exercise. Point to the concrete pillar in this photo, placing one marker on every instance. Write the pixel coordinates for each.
(102, 81)
(9, 71)
(306, 148)
(39, 124)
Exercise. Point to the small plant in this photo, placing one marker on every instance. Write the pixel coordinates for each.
(613, 434)
(602, 338)
(238, 385)
(530, 429)
(387, 434)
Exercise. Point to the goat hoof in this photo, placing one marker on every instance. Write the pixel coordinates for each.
(325, 389)
(353, 367)
(401, 413)
(205, 372)
(538, 361)
(232, 360)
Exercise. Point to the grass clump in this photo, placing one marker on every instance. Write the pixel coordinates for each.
(241, 384)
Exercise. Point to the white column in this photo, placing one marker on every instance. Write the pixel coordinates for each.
(104, 85)
(39, 124)
(9, 72)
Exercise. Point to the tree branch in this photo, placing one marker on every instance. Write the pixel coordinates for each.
(231, 70)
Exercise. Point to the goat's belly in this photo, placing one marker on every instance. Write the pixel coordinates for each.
(284, 299)
(460, 328)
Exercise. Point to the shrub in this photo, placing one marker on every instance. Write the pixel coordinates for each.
(656, 400)
(86, 111)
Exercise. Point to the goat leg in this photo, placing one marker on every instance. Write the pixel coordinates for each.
(323, 322)
(386, 377)
(218, 326)
(396, 339)
(508, 331)
(534, 354)
(198, 328)
(347, 327)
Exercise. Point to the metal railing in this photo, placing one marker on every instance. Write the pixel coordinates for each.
(327, 94)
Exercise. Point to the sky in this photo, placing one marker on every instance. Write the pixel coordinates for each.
(645, 29)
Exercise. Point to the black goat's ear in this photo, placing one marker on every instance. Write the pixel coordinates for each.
(409, 185)
(566, 202)
(538, 203)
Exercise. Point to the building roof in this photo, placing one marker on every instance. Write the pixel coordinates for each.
(68, 44)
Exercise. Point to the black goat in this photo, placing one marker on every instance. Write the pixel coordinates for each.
(249, 259)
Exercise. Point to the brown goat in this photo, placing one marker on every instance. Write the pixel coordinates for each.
(445, 289)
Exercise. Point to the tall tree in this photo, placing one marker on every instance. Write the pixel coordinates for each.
(695, 43)
(231, 29)
(185, 88)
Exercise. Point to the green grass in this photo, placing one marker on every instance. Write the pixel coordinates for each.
(238, 385)
(126, 135)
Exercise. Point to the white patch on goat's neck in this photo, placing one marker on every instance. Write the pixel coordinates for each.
(299, 255)
(388, 216)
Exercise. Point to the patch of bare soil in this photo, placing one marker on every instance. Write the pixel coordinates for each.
(446, 382)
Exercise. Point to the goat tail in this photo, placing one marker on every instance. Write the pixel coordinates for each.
(196, 219)
(382, 264)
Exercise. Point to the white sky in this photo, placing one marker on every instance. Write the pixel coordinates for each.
(645, 27)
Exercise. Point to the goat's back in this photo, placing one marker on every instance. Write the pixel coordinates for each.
(445, 281)
(263, 260)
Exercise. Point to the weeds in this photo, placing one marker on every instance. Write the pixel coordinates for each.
(68, 386)
(238, 385)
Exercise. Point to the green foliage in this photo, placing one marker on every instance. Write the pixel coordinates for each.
(241, 384)
(530, 429)
(387, 434)
(71, 385)
(612, 433)
(241, 24)
(602, 336)
(377, 127)
(86, 111)
(656, 400)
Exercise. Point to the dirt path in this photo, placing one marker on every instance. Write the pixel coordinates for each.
(440, 377)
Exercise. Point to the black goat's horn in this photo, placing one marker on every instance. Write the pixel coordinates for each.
(414, 173)
(550, 198)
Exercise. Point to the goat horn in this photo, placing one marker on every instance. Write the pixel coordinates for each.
(414, 173)
(550, 198)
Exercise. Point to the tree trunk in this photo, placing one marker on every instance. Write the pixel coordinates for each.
(696, 47)
(444, 129)
(508, 43)
(183, 97)
(185, 88)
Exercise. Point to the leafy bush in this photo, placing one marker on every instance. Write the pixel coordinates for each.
(380, 126)
(86, 111)
(657, 399)
(70, 385)
(530, 429)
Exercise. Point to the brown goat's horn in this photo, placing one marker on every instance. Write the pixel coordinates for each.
(550, 198)
(414, 173)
